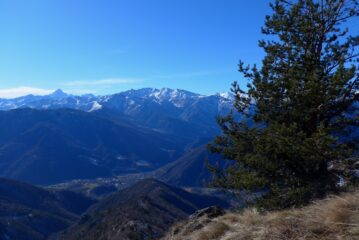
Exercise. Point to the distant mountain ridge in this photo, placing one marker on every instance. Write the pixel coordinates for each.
(169, 110)
(60, 137)
(59, 99)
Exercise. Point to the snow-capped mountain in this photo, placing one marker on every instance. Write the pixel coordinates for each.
(60, 99)
(127, 132)
(163, 109)
(57, 99)
(174, 101)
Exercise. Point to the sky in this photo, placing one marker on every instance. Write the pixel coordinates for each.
(108, 46)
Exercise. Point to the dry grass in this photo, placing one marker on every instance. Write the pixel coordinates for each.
(334, 218)
(213, 231)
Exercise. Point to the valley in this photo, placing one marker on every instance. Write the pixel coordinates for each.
(133, 132)
(105, 152)
(126, 166)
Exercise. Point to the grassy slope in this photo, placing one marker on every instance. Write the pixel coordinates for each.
(336, 217)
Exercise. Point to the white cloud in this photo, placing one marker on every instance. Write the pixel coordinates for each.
(22, 91)
(103, 82)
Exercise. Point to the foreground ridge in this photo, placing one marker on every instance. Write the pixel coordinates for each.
(336, 217)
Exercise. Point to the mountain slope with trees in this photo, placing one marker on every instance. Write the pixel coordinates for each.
(32, 213)
(51, 146)
(145, 210)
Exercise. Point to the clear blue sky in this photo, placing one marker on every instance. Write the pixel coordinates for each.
(106, 46)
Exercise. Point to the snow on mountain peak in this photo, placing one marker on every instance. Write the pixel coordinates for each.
(131, 100)
(95, 106)
(177, 97)
(226, 95)
(58, 94)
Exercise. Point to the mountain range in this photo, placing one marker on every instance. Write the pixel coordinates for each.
(126, 101)
(60, 137)
(155, 108)
(99, 158)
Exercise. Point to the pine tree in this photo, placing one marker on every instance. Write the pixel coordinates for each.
(302, 102)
